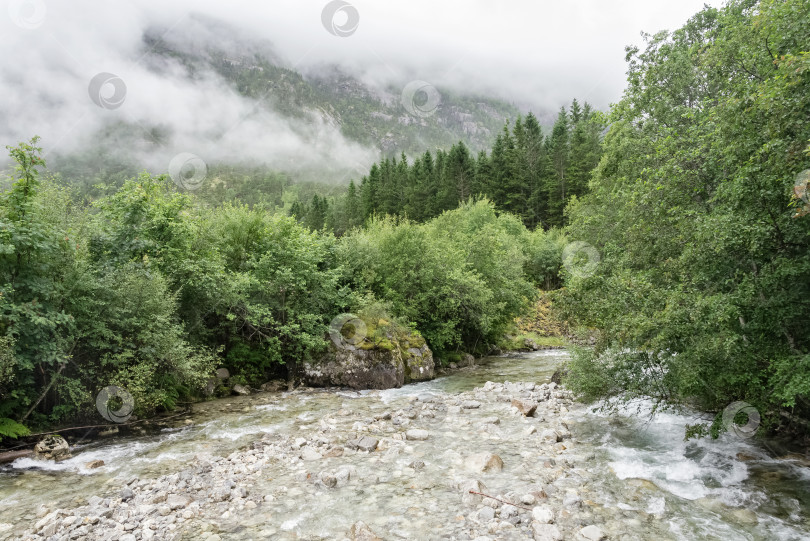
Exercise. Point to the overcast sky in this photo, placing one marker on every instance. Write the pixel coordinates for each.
(537, 54)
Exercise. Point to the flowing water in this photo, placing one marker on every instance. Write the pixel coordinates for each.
(640, 472)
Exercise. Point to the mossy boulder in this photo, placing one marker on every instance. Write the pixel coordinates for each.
(375, 362)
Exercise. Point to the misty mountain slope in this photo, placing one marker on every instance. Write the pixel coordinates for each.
(372, 116)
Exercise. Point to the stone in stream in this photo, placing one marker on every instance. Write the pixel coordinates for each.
(484, 462)
(474, 485)
(53, 447)
(592, 533)
(361, 532)
(486, 514)
(546, 532)
(93, 464)
(178, 501)
(549, 436)
(274, 386)
(367, 365)
(471, 404)
(126, 494)
(310, 454)
(241, 390)
(417, 434)
(526, 407)
(543, 514)
(366, 443)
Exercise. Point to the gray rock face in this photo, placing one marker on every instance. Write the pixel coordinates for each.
(370, 368)
(53, 447)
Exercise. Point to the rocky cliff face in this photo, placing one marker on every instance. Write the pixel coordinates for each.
(372, 364)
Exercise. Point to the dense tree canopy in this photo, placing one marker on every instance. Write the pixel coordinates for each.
(704, 283)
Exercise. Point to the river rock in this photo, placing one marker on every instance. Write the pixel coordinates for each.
(486, 514)
(310, 454)
(546, 532)
(526, 407)
(241, 390)
(371, 366)
(530, 344)
(543, 514)
(417, 434)
(745, 516)
(53, 447)
(366, 443)
(592, 533)
(549, 436)
(467, 488)
(361, 532)
(178, 501)
(484, 462)
(93, 464)
(274, 386)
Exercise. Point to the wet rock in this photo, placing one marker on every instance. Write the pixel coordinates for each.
(274, 386)
(530, 344)
(484, 462)
(745, 516)
(366, 443)
(94, 464)
(310, 454)
(53, 447)
(417, 434)
(241, 390)
(592, 533)
(526, 407)
(361, 532)
(417, 465)
(546, 532)
(127, 494)
(470, 404)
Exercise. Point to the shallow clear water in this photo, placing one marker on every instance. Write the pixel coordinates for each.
(641, 472)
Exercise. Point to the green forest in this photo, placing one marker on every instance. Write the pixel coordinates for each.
(674, 228)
